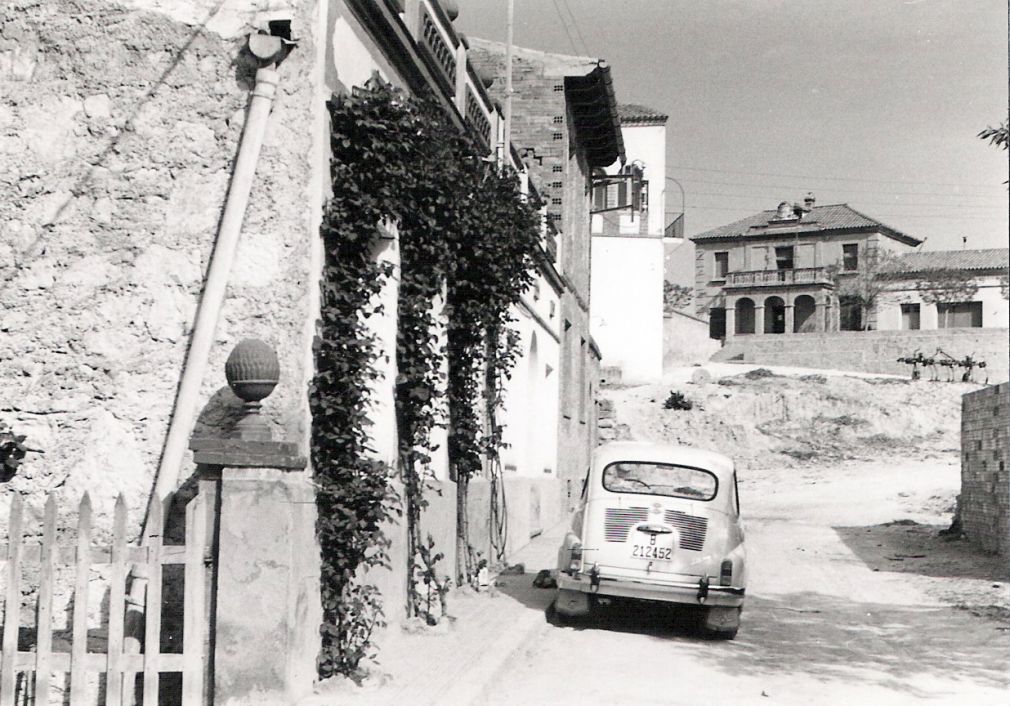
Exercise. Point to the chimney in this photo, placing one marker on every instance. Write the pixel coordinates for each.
(809, 201)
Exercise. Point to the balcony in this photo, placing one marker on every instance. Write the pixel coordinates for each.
(445, 51)
(778, 278)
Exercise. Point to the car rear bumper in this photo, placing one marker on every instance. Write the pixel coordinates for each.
(668, 591)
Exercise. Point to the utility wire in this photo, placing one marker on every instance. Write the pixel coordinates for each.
(845, 189)
(831, 178)
(575, 24)
(564, 25)
(757, 209)
(870, 203)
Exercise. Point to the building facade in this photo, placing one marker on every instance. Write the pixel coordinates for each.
(121, 150)
(771, 273)
(565, 123)
(628, 226)
(947, 289)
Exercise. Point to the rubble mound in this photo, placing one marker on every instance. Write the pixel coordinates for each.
(765, 419)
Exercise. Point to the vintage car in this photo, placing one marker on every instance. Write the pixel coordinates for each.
(656, 522)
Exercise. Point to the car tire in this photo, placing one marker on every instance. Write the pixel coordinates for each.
(718, 629)
(571, 605)
(720, 634)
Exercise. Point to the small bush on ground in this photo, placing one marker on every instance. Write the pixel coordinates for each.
(676, 400)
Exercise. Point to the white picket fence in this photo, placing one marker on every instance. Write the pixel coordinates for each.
(26, 675)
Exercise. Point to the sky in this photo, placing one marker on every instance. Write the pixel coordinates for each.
(874, 103)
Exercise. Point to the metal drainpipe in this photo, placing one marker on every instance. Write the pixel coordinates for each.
(216, 285)
(270, 50)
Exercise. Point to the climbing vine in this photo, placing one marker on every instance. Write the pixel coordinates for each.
(12, 452)
(466, 238)
(354, 499)
(493, 264)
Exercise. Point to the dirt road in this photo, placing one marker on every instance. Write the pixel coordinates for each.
(845, 606)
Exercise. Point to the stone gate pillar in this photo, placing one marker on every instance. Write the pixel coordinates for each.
(265, 609)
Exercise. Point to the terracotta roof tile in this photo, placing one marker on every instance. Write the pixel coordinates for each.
(635, 113)
(991, 259)
(830, 217)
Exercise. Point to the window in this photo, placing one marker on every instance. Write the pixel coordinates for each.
(555, 202)
(582, 391)
(559, 87)
(663, 479)
(784, 258)
(557, 169)
(716, 323)
(850, 257)
(612, 195)
(558, 135)
(721, 265)
(558, 119)
(567, 361)
(556, 185)
(909, 317)
(959, 315)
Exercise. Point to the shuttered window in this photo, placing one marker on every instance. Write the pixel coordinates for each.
(959, 315)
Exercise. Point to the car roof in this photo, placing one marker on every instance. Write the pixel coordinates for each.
(649, 451)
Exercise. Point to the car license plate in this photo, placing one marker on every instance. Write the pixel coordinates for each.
(651, 551)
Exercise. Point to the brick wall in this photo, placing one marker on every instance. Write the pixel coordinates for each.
(873, 351)
(985, 492)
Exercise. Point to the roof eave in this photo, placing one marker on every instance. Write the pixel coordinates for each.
(897, 235)
(596, 121)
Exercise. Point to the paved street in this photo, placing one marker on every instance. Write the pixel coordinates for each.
(820, 626)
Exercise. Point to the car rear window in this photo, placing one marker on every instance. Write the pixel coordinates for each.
(664, 479)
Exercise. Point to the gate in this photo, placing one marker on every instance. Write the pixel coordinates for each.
(29, 656)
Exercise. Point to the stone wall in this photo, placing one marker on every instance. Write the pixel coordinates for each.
(531, 506)
(686, 341)
(873, 351)
(984, 506)
(118, 131)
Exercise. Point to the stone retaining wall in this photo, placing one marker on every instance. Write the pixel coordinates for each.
(118, 130)
(873, 351)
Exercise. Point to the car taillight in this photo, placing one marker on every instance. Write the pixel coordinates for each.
(726, 573)
(575, 561)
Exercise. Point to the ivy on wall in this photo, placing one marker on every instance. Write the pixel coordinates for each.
(494, 261)
(466, 237)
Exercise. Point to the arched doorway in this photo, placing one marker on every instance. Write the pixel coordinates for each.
(744, 316)
(775, 315)
(804, 308)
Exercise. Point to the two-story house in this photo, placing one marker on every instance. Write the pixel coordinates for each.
(769, 273)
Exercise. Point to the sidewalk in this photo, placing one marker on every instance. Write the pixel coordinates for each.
(452, 665)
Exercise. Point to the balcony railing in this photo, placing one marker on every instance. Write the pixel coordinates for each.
(778, 278)
(446, 52)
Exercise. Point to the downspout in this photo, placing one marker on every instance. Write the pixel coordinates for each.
(269, 50)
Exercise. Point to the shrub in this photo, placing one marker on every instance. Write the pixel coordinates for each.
(676, 400)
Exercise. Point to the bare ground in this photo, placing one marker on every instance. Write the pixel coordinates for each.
(789, 426)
